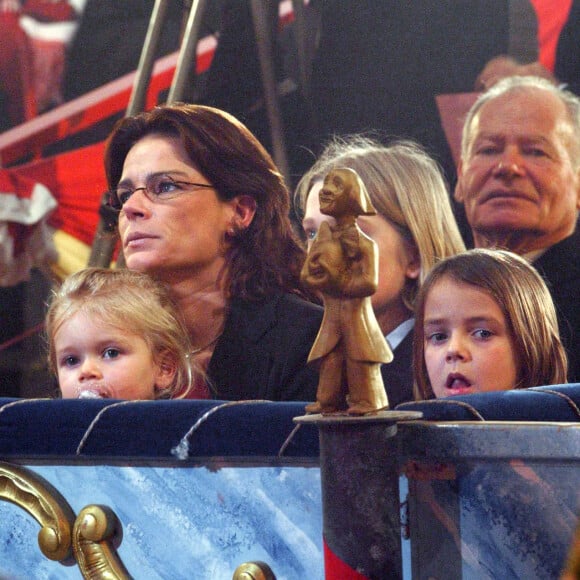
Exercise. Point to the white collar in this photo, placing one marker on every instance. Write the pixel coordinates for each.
(396, 336)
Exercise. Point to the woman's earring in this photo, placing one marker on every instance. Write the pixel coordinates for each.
(230, 233)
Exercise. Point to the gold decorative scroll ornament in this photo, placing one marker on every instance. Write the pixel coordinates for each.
(94, 532)
(87, 539)
(45, 504)
(253, 571)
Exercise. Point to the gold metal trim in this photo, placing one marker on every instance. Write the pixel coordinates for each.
(253, 571)
(90, 539)
(45, 504)
(95, 532)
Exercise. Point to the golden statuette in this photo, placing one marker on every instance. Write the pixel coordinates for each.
(342, 265)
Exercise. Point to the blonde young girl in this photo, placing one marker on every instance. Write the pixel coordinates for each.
(485, 321)
(116, 334)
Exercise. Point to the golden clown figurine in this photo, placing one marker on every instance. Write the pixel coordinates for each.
(342, 265)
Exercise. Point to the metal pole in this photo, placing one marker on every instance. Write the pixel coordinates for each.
(106, 235)
(300, 35)
(147, 60)
(187, 54)
(304, 64)
(360, 494)
(263, 32)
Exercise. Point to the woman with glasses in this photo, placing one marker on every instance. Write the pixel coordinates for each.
(203, 208)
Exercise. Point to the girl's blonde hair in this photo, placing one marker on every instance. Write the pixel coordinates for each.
(407, 188)
(525, 301)
(132, 302)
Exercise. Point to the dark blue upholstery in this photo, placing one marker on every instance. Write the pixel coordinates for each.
(38, 428)
(560, 403)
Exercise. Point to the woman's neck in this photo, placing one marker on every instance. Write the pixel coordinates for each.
(390, 318)
(203, 306)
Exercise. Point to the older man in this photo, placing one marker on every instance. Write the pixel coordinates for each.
(519, 181)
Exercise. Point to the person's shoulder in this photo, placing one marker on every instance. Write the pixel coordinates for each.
(277, 302)
(562, 259)
(284, 325)
(280, 312)
(293, 303)
(569, 244)
(292, 311)
(295, 324)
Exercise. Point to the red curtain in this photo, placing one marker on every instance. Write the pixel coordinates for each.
(77, 180)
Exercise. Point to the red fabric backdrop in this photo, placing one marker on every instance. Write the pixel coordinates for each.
(77, 180)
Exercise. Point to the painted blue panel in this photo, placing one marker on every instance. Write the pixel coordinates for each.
(184, 522)
(492, 500)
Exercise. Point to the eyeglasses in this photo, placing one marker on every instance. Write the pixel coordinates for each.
(157, 188)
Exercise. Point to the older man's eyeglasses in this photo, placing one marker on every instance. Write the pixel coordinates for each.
(157, 188)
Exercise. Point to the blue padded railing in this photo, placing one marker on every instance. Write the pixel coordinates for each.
(555, 403)
(41, 428)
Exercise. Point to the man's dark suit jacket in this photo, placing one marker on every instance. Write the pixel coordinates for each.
(398, 374)
(263, 351)
(560, 268)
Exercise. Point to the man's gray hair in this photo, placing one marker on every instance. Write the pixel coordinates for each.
(514, 83)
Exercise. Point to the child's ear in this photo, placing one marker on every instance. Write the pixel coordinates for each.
(166, 371)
